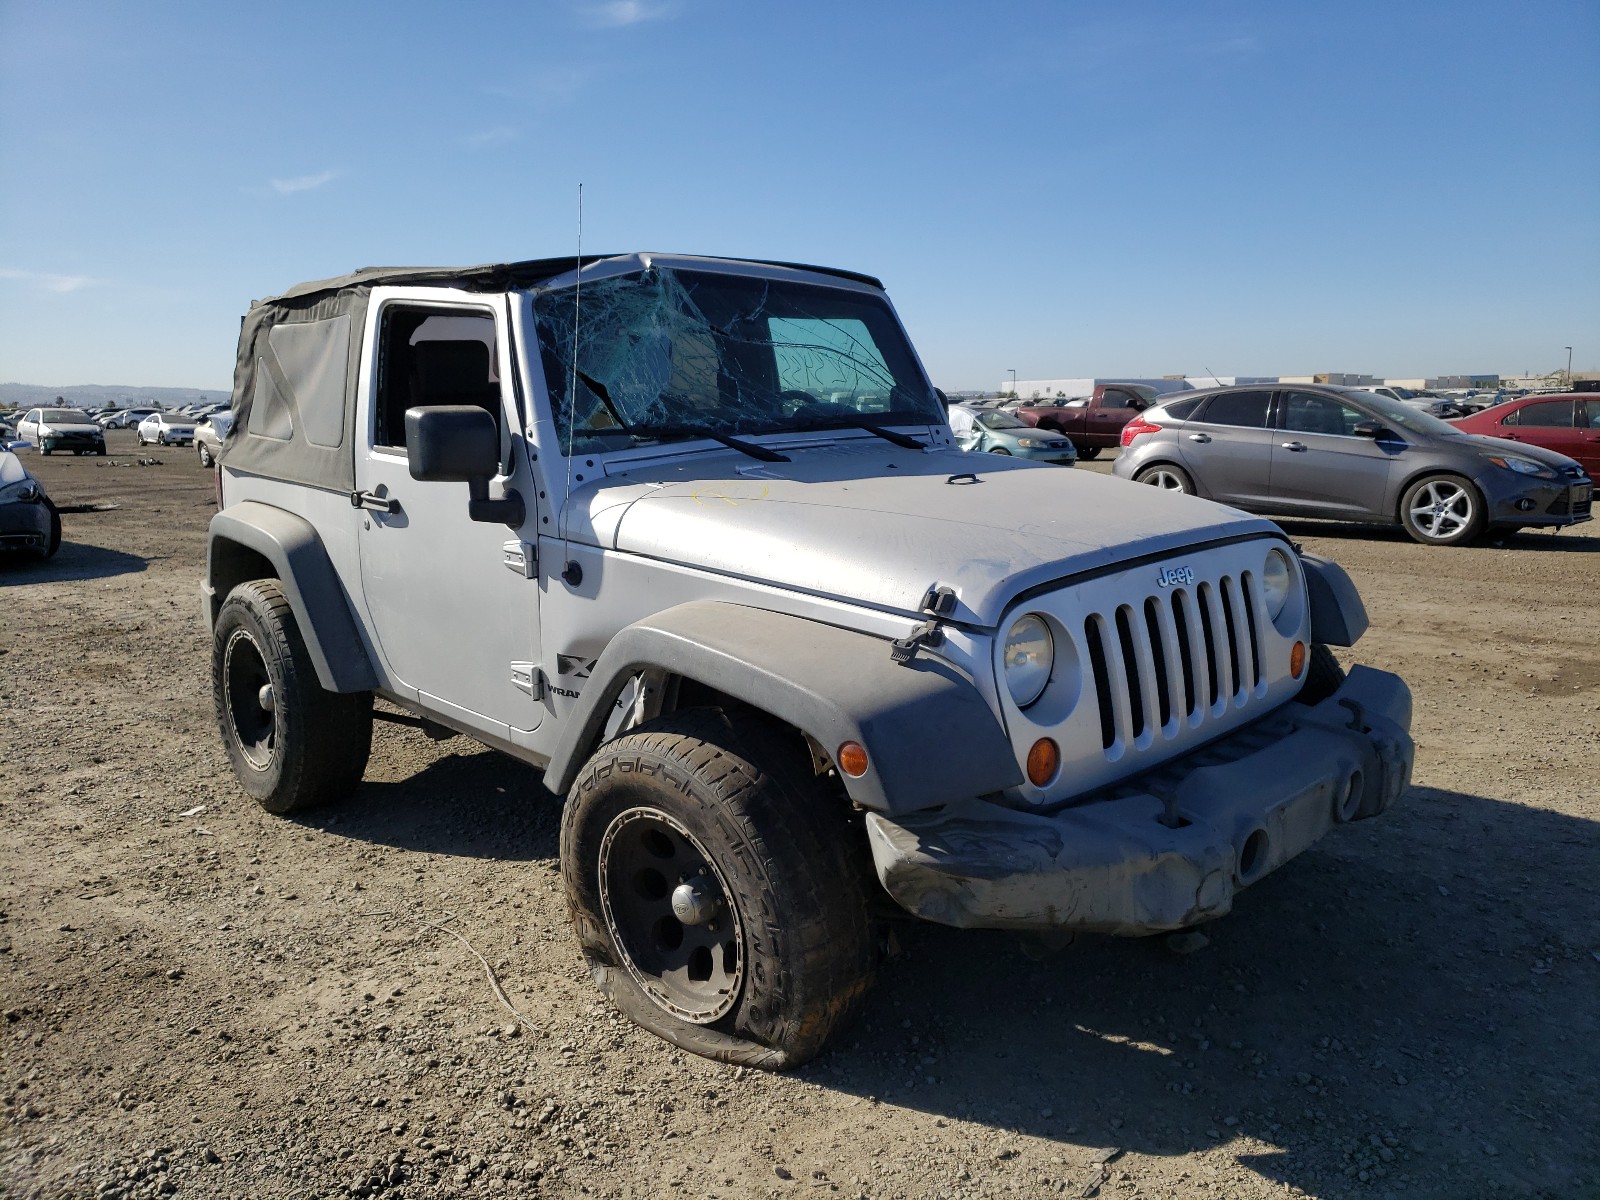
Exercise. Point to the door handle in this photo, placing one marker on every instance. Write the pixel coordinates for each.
(1200, 437)
(1297, 447)
(375, 502)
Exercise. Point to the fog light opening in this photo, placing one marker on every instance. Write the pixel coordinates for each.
(1349, 800)
(1525, 505)
(1253, 856)
(852, 759)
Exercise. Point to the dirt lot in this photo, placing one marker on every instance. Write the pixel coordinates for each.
(204, 999)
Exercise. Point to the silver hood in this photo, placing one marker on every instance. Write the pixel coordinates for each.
(866, 522)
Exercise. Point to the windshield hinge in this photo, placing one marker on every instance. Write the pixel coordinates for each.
(520, 557)
(903, 650)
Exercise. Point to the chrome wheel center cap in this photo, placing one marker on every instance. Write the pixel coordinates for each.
(695, 901)
(266, 699)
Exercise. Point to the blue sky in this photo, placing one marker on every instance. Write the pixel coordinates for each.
(1068, 189)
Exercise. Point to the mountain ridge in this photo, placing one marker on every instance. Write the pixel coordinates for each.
(95, 395)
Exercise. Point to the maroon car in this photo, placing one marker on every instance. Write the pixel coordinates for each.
(1094, 422)
(1568, 424)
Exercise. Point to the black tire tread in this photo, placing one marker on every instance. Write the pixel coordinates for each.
(767, 792)
(324, 738)
(1324, 676)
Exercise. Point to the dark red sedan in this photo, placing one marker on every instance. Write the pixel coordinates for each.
(1568, 424)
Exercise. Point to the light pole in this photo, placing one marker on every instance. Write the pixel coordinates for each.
(1569, 368)
(1013, 371)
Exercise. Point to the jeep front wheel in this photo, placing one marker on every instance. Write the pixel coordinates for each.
(292, 744)
(714, 890)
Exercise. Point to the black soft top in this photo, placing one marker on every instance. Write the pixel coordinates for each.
(506, 276)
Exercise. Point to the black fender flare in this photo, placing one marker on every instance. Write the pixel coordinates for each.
(930, 736)
(1338, 618)
(301, 563)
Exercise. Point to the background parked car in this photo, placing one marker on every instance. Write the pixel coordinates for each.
(166, 429)
(209, 434)
(1092, 422)
(53, 429)
(125, 418)
(1317, 451)
(28, 520)
(1568, 424)
(996, 431)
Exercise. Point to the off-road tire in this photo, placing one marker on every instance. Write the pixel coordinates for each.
(1088, 453)
(1166, 476)
(1324, 676)
(311, 746)
(1462, 521)
(793, 871)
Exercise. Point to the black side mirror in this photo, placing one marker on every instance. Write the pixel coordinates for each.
(460, 443)
(943, 399)
(1371, 429)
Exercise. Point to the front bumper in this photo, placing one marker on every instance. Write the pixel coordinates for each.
(72, 441)
(1061, 456)
(1536, 502)
(1248, 803)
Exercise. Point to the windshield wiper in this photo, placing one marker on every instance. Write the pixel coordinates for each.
(663, 432)
(888, 435)
(678, 432)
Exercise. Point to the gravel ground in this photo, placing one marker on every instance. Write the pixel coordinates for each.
(204, 1000)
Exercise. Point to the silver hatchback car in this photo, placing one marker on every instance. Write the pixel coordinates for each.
(1318, 451)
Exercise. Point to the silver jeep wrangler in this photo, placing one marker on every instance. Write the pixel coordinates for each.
(694, 536)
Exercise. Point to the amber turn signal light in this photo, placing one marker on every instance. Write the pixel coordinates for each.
(1297, 659)
(1044, 760)
(852, 759)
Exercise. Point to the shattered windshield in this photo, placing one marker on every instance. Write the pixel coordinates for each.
(668, 354)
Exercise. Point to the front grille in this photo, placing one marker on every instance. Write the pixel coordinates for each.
(1566, 507)
(1175, 660)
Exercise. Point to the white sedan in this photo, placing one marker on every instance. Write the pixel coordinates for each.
(166, 429)
(53, 429)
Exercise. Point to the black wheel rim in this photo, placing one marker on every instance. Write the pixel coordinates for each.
(253, 724)
(694, 971)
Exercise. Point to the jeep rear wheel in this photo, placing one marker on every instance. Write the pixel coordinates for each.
(714, 890)
(292, 744)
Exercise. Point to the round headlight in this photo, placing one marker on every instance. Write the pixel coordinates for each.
(1029, 654)
(1275, 582)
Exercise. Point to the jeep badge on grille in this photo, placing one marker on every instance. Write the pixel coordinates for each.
(1172, 576)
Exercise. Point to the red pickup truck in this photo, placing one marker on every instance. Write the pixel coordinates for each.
(1094, 422)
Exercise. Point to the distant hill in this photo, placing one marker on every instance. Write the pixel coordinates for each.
(94, 395)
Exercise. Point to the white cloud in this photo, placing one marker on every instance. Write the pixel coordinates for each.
(302, 183)
(614, 14)
(48, 281)
(497, 136)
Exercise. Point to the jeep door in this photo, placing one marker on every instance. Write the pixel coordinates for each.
(1320, 468)
(452, 603)
(1227, 448)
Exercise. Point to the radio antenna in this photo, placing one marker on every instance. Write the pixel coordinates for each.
(571, 572)
(1213, 375)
